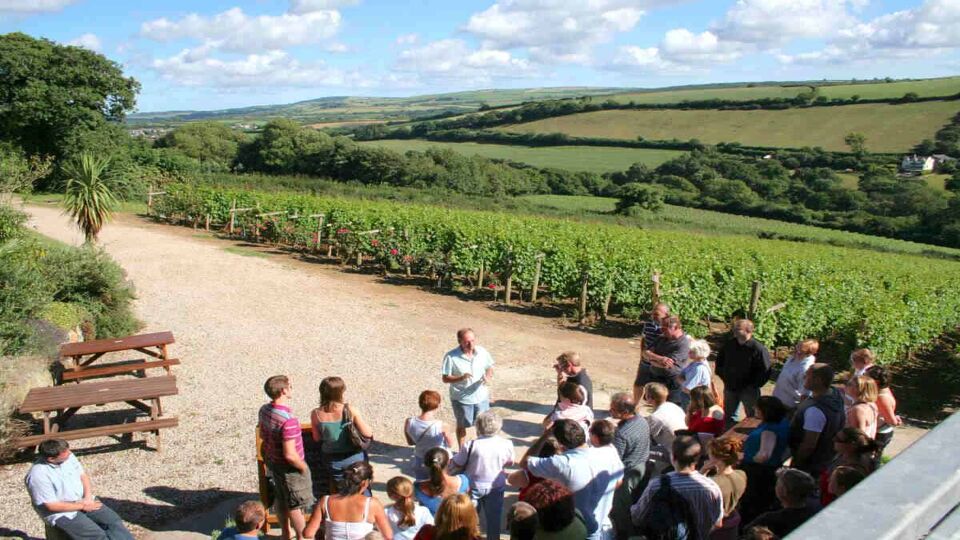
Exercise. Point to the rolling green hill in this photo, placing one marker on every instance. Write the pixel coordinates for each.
(347, 108)
(888, 128)
(573, 158)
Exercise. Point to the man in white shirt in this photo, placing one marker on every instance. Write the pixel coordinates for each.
(63, 496)
(666, 418)
(467, 369)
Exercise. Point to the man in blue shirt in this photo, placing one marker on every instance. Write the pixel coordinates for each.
(467, 369)
(63, 496)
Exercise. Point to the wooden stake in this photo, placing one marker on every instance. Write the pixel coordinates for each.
(754, 300)
(606, 306)
(509, 289)
(359, 258)
(536, 279)
(656, 288)
(206, 223)
(233, 215)
(583, 298)
(319, 233)
(480, 277)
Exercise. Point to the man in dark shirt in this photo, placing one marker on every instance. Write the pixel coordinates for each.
(743, 364)
(652, 330)
(667, 355)
(794, 490)
(570, 369)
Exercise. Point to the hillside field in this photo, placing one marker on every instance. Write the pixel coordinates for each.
(573, 158)
(871, 90)
(936, 181)
(888, 128)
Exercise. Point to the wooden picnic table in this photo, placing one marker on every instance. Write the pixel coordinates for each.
(65, 401)
(742, 429)
(81, 355)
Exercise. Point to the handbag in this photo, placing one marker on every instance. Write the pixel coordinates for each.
(358, 439)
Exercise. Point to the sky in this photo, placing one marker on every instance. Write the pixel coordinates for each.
(200, 55)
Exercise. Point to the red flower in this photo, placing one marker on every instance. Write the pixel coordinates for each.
(492, 286)
(343, 230)
(374, 243)
(394, 251)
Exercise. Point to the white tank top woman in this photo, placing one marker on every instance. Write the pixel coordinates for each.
(345, 530)
(426, 434)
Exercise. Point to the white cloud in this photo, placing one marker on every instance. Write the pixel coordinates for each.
(407, 39)
(683, 46)
(646, 60)
(772, 22)
(235, 31)
(931, 29)
(87, 41)
(453, 59)
(26, 7)
(555, 30)
(300, 7)
(195, 67)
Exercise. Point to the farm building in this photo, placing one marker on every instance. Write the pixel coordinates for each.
(917, 164)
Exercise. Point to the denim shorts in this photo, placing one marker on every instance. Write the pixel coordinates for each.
(466, 413)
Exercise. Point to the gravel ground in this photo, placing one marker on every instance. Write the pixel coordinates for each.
(239, 319)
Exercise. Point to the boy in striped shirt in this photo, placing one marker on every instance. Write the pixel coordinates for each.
(283, 453)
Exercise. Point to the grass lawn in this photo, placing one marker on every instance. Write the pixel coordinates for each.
(739, 93)
(574, 158)
(888, 128)
(936, 181)
(947, 86)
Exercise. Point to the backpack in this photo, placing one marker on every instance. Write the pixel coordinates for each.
(669, 516)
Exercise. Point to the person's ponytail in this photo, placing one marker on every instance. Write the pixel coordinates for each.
(436, 460)
(400, 489)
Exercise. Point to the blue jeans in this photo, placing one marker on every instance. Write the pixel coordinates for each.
(489, 503)
(102, 524)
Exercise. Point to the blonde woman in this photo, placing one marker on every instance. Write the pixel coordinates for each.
(864, 414)
(456, 519)
(789, 388)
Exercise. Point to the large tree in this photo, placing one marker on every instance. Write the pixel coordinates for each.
(59, 100)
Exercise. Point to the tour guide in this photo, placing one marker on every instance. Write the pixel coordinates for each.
(467, 369)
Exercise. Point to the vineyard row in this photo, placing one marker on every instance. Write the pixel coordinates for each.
(888, 302)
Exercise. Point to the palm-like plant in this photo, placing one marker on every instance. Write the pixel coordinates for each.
(88, 198)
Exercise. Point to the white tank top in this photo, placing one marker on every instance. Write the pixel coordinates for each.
(345, 530)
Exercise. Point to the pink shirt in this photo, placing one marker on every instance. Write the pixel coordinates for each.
(277, 424)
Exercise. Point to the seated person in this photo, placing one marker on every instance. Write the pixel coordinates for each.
(794, 490)
(704, 416)
(843, 479)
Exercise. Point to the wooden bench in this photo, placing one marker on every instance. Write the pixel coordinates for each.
(116, 369)
(79, 356)
(100, 431)
(67, 400)
(742, 429)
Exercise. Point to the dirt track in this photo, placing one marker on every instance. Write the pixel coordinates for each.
(239, 319)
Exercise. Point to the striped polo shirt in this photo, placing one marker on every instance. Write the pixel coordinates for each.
(277, 424)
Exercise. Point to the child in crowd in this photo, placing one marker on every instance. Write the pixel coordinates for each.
(571, 407)
(405, 515)
(248, 519)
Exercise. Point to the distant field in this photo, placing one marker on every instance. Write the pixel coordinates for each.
(926, 88)
(573, 158)
(888, 128)
(740, 93)
(936, 181)
(709, 222)
(873, 90)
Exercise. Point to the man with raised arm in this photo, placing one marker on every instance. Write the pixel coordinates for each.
(467, 369)
(62, 494)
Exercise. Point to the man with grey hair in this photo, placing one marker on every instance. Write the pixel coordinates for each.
(484, 460)
(467, 369)
(632, 441)
(652, 330)
(743, 364)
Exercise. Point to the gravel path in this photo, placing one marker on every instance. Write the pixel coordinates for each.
(239, 319)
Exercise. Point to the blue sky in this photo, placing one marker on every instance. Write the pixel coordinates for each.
(231, 53)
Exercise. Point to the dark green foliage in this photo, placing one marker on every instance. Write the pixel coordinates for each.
(213, 144)
(59, 100)
(635, 196)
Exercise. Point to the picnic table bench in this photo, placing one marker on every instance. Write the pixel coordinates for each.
(742, 429)
(79, 356)
(65, 401)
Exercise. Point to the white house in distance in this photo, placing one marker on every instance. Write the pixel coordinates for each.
(917, 164)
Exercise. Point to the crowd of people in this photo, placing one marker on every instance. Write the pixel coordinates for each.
(657, 464)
